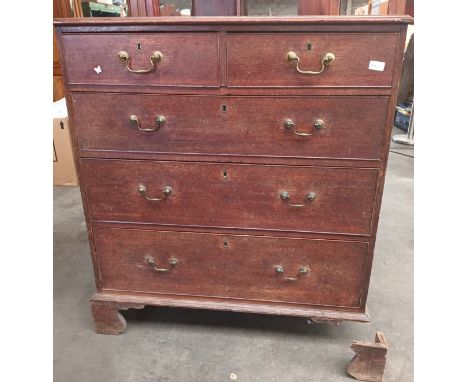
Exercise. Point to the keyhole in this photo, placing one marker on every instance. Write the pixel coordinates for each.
(138, 46)
(309, 46)
(225, 243)
(225, 175)
(224, 108)
(61, 125)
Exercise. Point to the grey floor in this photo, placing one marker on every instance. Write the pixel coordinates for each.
(163, 344)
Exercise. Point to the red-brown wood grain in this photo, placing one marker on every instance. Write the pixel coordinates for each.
(237, 126)
(284, 23)
(245, 202)
(385, 152)
(226, 266)
(397, 7)
(125, 300)
(107, 318)
(231, 195)
(187, 58)
(267, 65)
(138, 8)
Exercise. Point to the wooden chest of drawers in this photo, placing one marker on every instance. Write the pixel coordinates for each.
(232, 163)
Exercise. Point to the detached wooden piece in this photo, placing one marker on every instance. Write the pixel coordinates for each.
(369, 362)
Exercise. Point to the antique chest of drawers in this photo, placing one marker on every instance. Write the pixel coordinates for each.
(232, 163)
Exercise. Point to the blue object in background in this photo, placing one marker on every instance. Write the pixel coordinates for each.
(403, 115)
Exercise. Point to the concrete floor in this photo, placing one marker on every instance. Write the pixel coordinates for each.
(163, 344)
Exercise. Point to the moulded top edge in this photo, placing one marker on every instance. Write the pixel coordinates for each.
(234, 20)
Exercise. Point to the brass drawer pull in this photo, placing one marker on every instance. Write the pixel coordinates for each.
(152, 262)
(327, 60)
(310, 197)
(155, 58)
(302, 271)
(290, 125)
(160, 120)
(144, 193)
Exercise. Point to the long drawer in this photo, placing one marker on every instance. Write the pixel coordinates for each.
(264, 197)
(185, 60)
(318, 127)
(361, 59)
(314, 272)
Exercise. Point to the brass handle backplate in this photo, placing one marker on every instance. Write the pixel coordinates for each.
(155, 58)
(290, 125)
(166, 191)
(159, 121)
(327, 60)
(310, 197)
(301, 272)
(152, 262)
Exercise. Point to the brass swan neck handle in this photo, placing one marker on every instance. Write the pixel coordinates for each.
(155, 58)
(143, 190)
(310, 197)
(327, 60)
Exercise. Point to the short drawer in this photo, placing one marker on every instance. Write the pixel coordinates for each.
(267, 64)
(305, 127)
(187, 59)
(263, 197)
(314, 272)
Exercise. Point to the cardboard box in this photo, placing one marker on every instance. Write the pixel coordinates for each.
(64, 167)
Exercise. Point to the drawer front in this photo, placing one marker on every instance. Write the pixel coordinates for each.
(335, 200)
(238, 267)
(266, 65)
(246, 126)
(93, 59)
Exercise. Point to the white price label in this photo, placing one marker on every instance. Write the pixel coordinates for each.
(377, 65)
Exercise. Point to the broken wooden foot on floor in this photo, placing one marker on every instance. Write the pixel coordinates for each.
(369, 362)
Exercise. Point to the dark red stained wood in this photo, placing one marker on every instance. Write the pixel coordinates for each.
(189, 59)
(385, 151)
(250, 126)
(397, 7)
(137, 8)
(267, 65)
(248, 197)
(236, 21)
(239, 91)
(117, 299)
(367, 187)
(214, 7)
(62, 8)
(107, 318)
(240, 267)
(409, 8)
